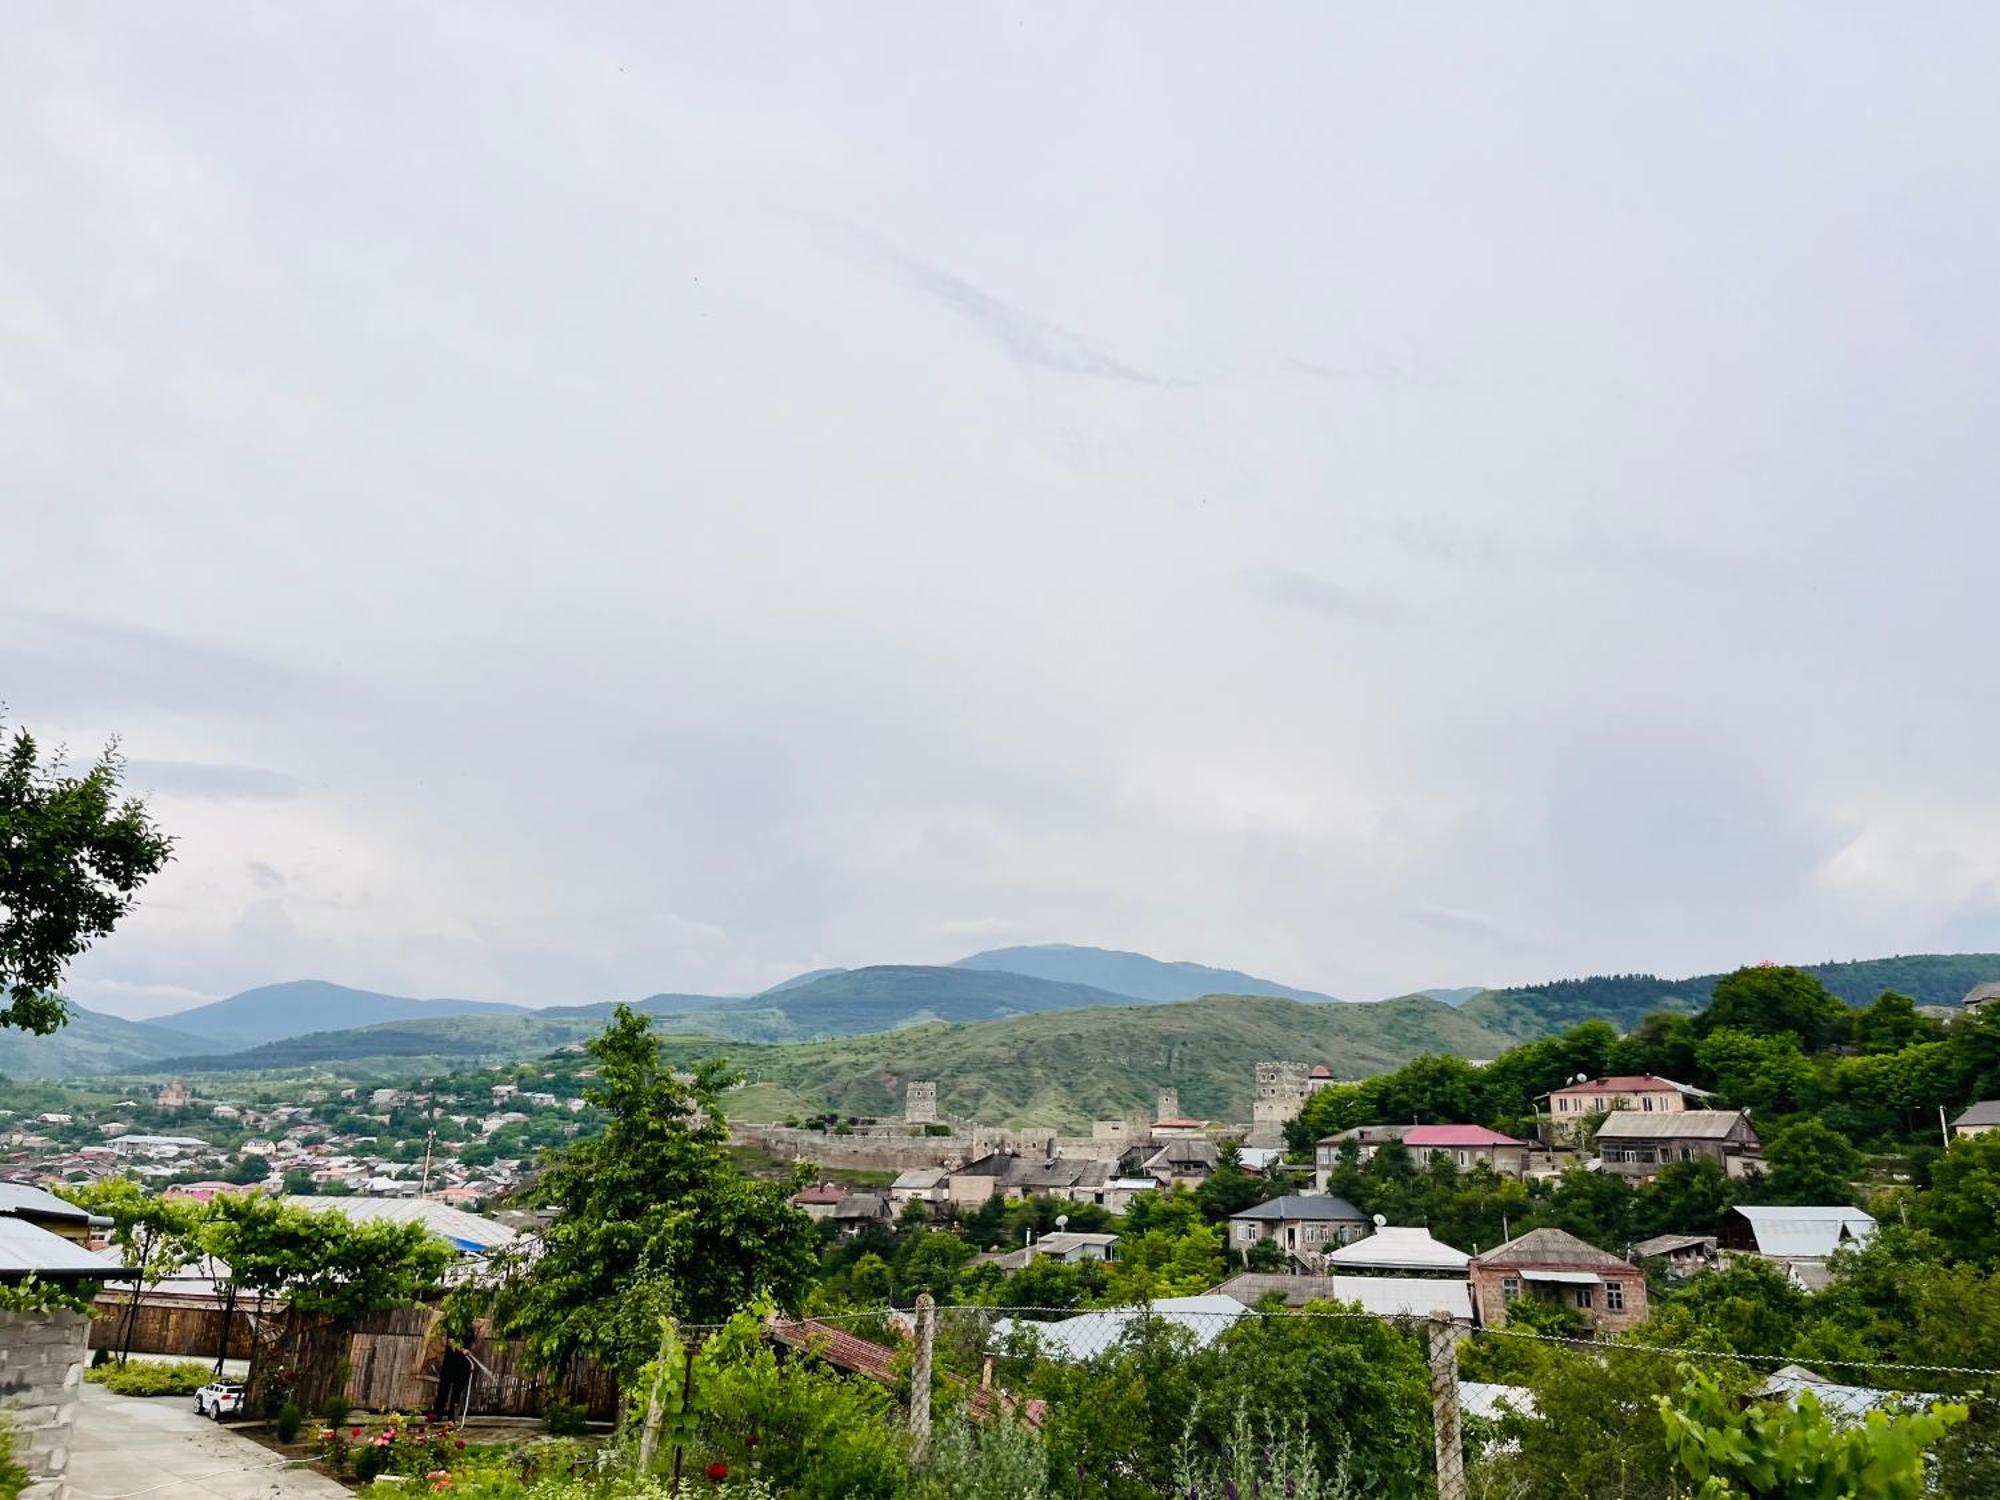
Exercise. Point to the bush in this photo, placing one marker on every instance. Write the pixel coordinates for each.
(288, 1422)
(563, 1418)
(370, 1460)
(100, 1357)
(334, 1409)
(150, 1377)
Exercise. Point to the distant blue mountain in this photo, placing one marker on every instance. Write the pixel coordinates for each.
(272, 1012)
(1131, 974)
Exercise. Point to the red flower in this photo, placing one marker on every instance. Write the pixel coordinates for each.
(357, 1432)
(718, 1471)
(461, 1442)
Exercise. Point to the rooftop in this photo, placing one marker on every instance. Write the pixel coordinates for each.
(28, 1249)
(1808, 1232)
(1985, 1112)
(468, 1232)
(1385, 1296)
(1092, 1333)
(1670, 1125)
(1302, 1207)
(20, 1200)
(1457, 1135)
(1549, 1247)
(1628, 1083)
(1394, 1249)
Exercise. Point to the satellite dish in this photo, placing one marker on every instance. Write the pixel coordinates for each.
(1061, 1220)
(1380, 1222)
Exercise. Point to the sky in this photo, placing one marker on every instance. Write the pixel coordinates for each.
(560, 503)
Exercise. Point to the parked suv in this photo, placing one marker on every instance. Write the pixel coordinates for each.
(219, 1399)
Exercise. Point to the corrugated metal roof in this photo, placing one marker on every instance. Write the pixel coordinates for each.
(1399, 1250)
(1092, 1333)
(466, 1231)
(1385, 1296)
(1810, 1232)
(30, 1249)
(1849, 1402)
(1303, 1207)
(1669, 1125)
(28, 1201)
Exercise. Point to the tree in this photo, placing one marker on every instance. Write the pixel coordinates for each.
(1229, 1189)
(1752, 1071)
(327, 1268)
(1688, 1197)
(1792, 1450)
(1773, 1000)
(72, 859)
(1891, 1024)
(1962, 1207)
(652, 1216)
(155, 1236)
(1809, 1163)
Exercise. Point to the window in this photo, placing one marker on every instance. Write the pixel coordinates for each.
(1583, 1297)
(1648, 1101)
(1614, 1296)
(1462, 1158)
(1246, 1232)
(1510, 1288)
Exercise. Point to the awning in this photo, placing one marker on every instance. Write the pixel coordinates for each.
(1567, 1278)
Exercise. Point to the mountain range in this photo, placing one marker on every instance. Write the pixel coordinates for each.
(313, 1023)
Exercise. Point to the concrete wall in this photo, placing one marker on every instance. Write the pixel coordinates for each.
(41, 1377)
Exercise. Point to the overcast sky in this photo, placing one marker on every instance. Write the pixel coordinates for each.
(566, 502)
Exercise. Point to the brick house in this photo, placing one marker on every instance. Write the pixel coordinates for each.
(1555, 1266)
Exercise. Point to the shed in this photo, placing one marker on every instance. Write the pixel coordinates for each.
(1788, 1233)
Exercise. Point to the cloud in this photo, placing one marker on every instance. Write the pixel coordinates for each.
(1030, 339)
(1291, 589)
(63, 664)
(210, 782)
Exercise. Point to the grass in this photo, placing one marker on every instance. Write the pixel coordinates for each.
(152, 1377)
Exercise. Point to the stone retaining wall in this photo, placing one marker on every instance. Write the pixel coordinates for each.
(41, 1378)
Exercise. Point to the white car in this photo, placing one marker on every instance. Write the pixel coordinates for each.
(219, 1399)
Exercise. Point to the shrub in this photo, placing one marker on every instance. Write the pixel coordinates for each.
(150, 1377)
(99, 1357)
(370, 1461)
(563, 1418)
(334, 1409)
(288, 1422)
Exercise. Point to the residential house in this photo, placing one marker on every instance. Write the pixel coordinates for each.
(1384, 1296)
(1118, 1192)
(819, 1202)
(1304, 1227)
(1682, 1254)
(1397, 1249)
(1977, 1120)
(1636, 1144)
(1980, 996)
(1648, 1093)
(1367, 1139)
(1067, 1246)
(1186, 1162)
(1801, 1239)
(858, 1212)
(1467, 1146)
(1844, 1404)
(1556, 1266)
(925, 1185)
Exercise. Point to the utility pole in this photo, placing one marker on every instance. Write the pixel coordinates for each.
(425, 1190)
(1944, 1129)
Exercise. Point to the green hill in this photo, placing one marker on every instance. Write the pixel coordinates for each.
(1065, 1069)
(90, 1043)
(1133, 974)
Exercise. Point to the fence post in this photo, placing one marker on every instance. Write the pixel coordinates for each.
(920, 1379)
(649, 1432)
(1444, 1407)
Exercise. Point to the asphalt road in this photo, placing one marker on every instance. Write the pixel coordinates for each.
(127, 1446)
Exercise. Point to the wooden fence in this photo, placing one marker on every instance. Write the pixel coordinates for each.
(185, 1326)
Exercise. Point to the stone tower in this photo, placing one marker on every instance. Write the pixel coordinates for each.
(920, 1104)
(1281, 1090)
(1168, 1105)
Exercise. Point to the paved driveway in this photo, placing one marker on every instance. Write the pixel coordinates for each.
(127, 1446)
